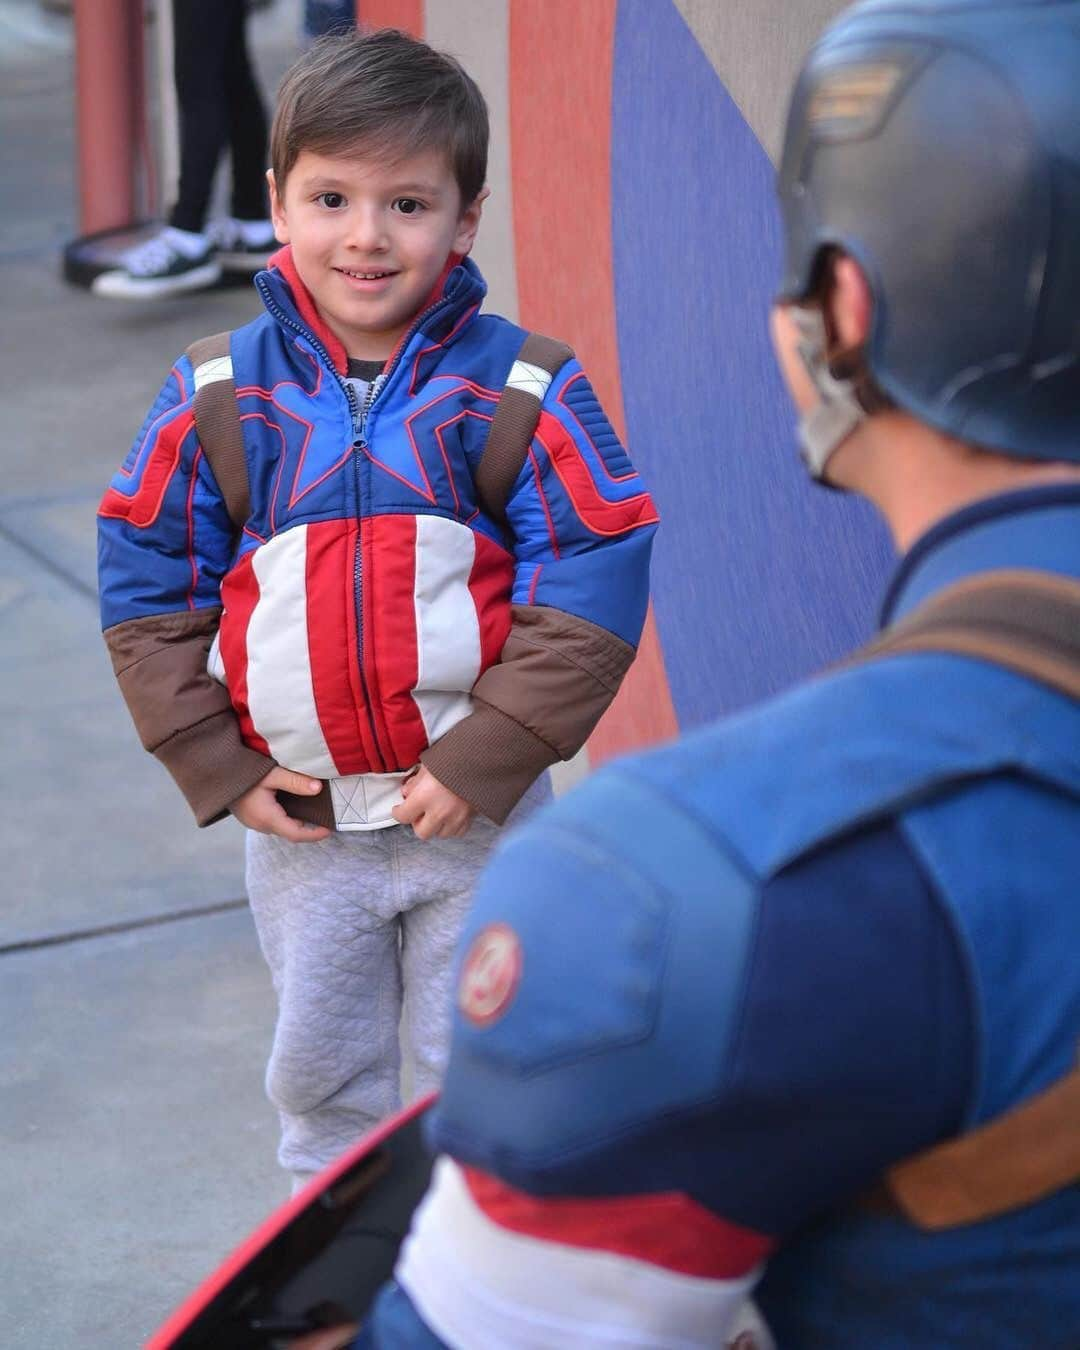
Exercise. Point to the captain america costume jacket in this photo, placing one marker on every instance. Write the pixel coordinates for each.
(724, 986)
(373, 608)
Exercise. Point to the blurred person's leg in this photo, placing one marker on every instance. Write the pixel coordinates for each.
(244, 239)
(247, 128)
(219, 105)
(204, 40)
(328, 16)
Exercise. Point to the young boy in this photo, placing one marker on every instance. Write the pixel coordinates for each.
(369, 601)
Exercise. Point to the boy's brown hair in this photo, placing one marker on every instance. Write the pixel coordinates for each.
(381, 93)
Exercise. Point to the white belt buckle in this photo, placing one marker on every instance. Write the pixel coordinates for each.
(363, 801)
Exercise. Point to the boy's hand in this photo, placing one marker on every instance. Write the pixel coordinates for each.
(432, 810)
(334, 1338)
(259, 809)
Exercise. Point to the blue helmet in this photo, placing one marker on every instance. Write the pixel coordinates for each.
(939, 145)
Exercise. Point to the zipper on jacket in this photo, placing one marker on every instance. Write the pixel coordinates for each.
(374, 392)
(358, 423)
(359, 443)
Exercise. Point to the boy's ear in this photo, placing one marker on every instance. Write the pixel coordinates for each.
(277, 210)
(469, 222)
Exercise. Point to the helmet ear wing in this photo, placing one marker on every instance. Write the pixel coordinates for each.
(843, 95)
(940, 146)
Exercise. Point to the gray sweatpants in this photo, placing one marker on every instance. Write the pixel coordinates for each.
(357, 929)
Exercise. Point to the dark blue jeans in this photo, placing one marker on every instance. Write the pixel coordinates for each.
(328, 16)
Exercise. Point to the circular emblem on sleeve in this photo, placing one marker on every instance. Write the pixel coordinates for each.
(490, 975)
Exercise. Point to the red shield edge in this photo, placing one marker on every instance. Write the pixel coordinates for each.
(321, 1256)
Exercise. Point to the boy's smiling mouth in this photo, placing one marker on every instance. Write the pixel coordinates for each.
(357, 275)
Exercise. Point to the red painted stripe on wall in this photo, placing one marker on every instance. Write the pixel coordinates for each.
(406, 14)
(561, 55)
(668, 1230)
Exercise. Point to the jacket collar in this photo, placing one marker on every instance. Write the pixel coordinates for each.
(460, 285)
(1037, 527)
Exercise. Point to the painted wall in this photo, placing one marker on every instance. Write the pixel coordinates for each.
(632, 214)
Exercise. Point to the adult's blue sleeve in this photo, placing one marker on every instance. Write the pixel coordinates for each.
(849, 1043)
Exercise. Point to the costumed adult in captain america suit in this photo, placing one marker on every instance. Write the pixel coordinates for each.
(711, 998)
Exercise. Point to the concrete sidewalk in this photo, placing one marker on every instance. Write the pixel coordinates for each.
(137, 1146)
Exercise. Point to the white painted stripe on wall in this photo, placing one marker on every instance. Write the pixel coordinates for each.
(478, 1285)
(757, 50)
(447, 628)
(477, 32)
(281, 697)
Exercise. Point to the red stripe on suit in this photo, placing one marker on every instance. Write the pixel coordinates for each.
(668, 1230)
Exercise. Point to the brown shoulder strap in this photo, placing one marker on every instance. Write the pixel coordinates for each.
(516, 416)
(1025, 620)
(1029, 622)
(217, 421)
(1022, 1156)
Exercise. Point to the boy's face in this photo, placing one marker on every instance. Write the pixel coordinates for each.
(370, 238)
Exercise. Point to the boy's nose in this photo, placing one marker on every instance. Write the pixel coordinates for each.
(367, 230)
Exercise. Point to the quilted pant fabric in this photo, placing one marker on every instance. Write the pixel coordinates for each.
(358, 930)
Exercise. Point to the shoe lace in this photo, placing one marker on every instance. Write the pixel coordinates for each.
(223, 234)
(155, 255)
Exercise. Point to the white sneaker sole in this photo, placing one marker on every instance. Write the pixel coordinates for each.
(120, 285)
(244, 262)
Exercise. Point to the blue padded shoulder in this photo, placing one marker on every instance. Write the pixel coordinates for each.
(636, 891)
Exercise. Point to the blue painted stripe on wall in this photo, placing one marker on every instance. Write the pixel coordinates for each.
(758, 577)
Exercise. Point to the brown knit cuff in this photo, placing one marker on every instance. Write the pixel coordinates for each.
(317, 810)
(212, 766)
(489, 759)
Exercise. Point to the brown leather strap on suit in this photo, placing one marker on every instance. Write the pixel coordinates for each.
(217, 423)
(514, 423)
(1028, 622)
(1024, 1155)
(1024, 620)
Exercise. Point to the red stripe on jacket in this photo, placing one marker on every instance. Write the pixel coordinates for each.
(490, 584)
(392, 614)
(240, 595)
(143, 507)
(595, 511)
(332, 654)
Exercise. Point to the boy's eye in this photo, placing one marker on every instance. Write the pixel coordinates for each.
(408, 206)
(333, 201)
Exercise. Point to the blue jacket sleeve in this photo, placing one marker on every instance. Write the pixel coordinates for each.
(164, 535)
(582, 521)
(582, 526)
(165, 541)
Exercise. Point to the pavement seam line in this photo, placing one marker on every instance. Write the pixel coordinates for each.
(121, 926)
(43, 559)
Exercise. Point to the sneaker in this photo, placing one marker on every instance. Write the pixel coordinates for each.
(242, 245)
(164, 265)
